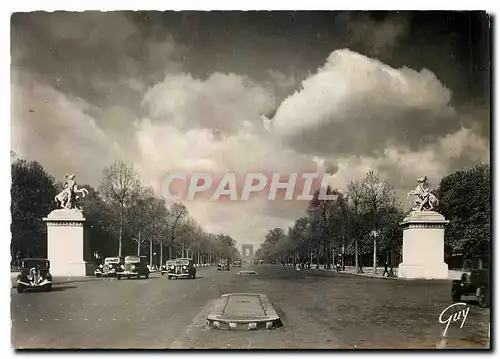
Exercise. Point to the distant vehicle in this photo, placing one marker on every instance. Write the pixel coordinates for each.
(109, 268)
(475, 283)
(35, 274)
(223, 265)
(168, 265)
(236, 264)
(261, 262)
(134, 267)
(182, 268)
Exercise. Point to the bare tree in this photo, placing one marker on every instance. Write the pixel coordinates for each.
(376, 197)
(355, 198)
(117, 187)
(176, 223)
(320, 213)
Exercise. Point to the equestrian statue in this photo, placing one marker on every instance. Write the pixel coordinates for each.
(424, 199)
(68, 197)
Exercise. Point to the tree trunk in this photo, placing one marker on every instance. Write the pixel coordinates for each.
(150, 252)
(374, 255)
(169, 251)
(356, 254)
(359, 261)
(332, 253)
(161, 254)
(343, 257)
(120, 234)
(139, 244)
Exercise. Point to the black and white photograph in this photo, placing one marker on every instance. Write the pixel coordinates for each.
(250, 179)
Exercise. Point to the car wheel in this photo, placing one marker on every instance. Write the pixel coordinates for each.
(455, 297)
(162, 273)
(49, 288)
(484, 298)
(169, 277)
(118, 277)
(146, 276)
(20, 288)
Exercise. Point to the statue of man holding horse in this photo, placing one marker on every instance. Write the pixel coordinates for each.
(424, 199)
(68, 196)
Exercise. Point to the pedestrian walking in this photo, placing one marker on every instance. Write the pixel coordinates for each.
(386, 269)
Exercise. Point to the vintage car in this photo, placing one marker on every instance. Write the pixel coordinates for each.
(167, 267)
(134, 267)
(35, 274)
(109, 268)
(223, 265)
(237, 264)
(182, 268)
(475, 283)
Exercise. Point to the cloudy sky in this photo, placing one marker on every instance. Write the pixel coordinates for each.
(404, 94)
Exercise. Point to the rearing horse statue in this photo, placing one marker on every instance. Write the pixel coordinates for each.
(68, 196)
(425, 200)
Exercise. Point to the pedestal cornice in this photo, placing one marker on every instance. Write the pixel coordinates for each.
(425, 219)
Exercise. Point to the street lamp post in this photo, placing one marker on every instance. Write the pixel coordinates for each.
(375, 235)
(343, 257)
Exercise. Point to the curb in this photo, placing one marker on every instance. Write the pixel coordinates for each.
(374, 276)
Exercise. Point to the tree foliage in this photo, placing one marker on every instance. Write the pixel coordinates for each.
(32, 198)
(465, 200)
(123, 216)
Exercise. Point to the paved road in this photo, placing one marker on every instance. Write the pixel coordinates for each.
(319, 310)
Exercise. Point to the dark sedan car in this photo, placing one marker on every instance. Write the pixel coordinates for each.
(170, 264)
(109, 268)
(476, 283)
(223, 265)
(35, 274)
(182, 268)
(134, 267)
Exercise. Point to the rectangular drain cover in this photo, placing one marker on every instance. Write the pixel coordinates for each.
(243, 311)
(247, 272)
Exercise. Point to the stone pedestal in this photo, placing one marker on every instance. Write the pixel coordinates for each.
(67, 245)
(423, 246)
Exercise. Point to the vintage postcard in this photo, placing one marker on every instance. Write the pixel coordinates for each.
(250, 180)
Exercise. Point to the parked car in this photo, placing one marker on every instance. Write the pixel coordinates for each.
(35, 274)
(223, 265)
(109, 268)
(237, 264)
(182, 268)
(167, 267)
(134, 267)
(475, 283)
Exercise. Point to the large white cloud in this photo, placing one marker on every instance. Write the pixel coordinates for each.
(355, 104)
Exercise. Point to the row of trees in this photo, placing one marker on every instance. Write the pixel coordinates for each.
(362, 224)
(125, 217)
